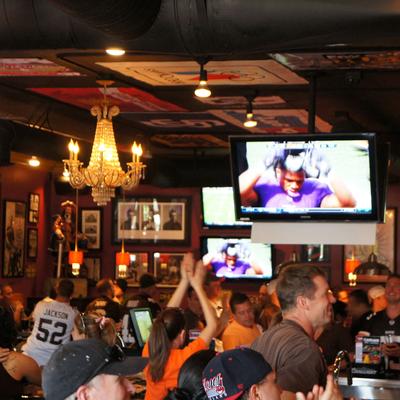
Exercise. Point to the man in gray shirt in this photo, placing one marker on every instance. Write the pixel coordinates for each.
(289, 347)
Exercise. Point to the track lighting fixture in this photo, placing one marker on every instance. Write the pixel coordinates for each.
(202, 90)
(250, 122)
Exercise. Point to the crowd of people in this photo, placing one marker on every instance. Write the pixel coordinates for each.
(216, 347)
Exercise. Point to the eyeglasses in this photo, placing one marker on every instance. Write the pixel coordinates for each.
(113, 354)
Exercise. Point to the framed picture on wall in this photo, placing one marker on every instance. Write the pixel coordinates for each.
(167, 268)
(152, 219)
(91, 269)
(139, 265)
(33, 214)
(32, 243)
(384, 248)
(91, 226)
(13, 239)
(319, 253)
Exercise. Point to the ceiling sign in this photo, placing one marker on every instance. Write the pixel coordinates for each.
(33, 67)
(241, 101)
(316, 61)
(273, 121)
(189, 140)
(194, 121)
(239, 72)
(127, 99)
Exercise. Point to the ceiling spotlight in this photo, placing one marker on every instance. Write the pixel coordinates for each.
(250, 122)
(34, 162)
(115, 51)
(202, 90)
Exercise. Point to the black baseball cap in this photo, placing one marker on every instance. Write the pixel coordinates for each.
(147, 280)
(76, 363)
(229, 374)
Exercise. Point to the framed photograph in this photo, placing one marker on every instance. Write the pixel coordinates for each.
(384, 248)
(317, 253)
(14, 238)
(152, 219)
(167, 268)
(91, 269)
(33, 215)
(139, 265)
(32, 243)
(91, 226)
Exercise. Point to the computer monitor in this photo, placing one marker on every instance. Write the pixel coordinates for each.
(142, 323)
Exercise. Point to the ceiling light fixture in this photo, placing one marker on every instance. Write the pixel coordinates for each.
(250, 122)
(104, 172)
(34, 162)
(115, 51)
(202, 90)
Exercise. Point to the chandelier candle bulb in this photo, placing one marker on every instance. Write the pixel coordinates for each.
(71, 148)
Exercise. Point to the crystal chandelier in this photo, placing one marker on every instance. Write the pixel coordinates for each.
(104, 172)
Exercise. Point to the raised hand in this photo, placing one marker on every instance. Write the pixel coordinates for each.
(197, 279)
(187, 266)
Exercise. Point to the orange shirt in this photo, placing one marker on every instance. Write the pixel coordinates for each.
(158, 390)
(238, 335)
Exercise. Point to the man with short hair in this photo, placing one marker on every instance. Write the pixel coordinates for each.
(172, 224)
(147, 296)
(104, 304)
(90, 370)
(306, 304)
(386, 323)
(243, 330)
(54, 321)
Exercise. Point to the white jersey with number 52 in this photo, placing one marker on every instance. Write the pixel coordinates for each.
(54, 321)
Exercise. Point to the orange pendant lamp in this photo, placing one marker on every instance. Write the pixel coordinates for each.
(75, 257)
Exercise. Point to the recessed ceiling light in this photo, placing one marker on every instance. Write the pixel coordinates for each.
(34, 162)
(115, 51)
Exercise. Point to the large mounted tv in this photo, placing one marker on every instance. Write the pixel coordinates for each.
(237, 258)
(219, 208)
(320, 177)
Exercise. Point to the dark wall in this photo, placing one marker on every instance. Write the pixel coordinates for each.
(16, 182)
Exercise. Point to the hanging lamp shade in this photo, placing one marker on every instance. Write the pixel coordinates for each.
(122, 258)
(75, 257)
(351, 264)
(372, 267)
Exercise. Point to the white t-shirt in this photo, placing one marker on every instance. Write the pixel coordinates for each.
(54, 322)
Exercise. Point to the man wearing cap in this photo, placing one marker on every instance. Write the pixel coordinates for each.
(377, 297)
(240, 373)
(147, 296)
(89, 369)
(359, 309)
(289, 347)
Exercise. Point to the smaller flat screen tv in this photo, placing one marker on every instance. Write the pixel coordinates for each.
(237, 258)
(219, 208)
(319, 177)
(142, 323)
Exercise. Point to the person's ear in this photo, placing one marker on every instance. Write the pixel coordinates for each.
(82, 393)
(253, 393)
(302, 302)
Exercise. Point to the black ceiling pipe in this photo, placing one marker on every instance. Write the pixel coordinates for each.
(223, 29)
(123, 19)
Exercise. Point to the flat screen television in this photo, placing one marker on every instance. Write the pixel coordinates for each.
(320, 177)
(142, 323)
(219, 208)
(237, 258)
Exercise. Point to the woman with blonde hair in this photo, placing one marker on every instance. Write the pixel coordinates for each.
(165, 347)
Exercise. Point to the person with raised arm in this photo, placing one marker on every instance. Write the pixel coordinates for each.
(165, 345)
